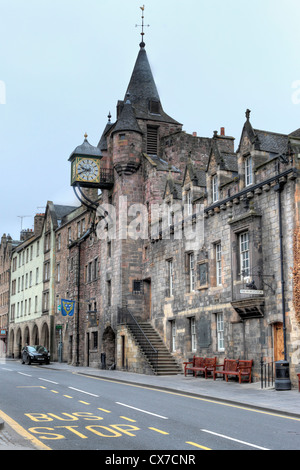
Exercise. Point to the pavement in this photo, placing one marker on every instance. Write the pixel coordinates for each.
(269, 399)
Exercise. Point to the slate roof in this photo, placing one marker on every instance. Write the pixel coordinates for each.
(271, 142)
(61, 211)
(127, 120)
(295, 133)
(142, 89)
(102, 144)
(229, 161)
(86, 149)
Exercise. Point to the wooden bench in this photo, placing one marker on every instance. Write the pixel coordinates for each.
(239, 368)
(200, 364)
(193, 365)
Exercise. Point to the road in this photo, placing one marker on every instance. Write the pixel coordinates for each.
(60, 410)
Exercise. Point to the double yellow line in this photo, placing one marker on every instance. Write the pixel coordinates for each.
(22, 432)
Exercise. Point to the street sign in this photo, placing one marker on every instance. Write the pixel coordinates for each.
(59, 308)
(252, 292)
(58, 327)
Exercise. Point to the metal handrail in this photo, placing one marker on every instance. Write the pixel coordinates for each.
(125, 316)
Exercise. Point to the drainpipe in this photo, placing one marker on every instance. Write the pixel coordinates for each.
(78, 306)
(278, 188)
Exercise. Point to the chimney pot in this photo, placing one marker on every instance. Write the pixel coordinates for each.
(222, 130)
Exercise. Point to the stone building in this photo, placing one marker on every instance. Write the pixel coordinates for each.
(193, 248)
(26, 289)
(6, 246)
(217, 275)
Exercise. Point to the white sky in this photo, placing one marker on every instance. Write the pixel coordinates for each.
(65, 63)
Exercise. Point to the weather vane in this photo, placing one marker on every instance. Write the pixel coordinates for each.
(142, 44)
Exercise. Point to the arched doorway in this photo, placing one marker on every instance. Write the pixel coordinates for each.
(45, 336)
(108, 346)
(35, 336)
(18, 346)
(11, 344)
(26, 335)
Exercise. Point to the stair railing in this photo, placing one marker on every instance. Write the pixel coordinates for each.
(126, 317)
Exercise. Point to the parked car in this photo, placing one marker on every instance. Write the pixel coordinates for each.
(37, 354)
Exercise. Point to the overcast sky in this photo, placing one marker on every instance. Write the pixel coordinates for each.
(64, 64)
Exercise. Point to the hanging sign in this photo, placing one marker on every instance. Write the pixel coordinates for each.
(67, 307)
(251, 291)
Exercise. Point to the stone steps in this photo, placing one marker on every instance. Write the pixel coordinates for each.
(162, 363)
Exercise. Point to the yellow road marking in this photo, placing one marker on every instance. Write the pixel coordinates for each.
(84, 402)
(105, 411)
(128, 419)
(67, 396)
(198, 445)
(54, 391)
(22, 432)
(158, 430)
(207, 400)
(30, 386)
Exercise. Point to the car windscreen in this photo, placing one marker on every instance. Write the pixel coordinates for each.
(41, 349)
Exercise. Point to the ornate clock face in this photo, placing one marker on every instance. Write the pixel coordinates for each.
(87, 170)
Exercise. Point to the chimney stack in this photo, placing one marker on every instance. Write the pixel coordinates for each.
(223, 131)
(38, 224)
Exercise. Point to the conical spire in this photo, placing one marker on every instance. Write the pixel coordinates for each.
(143, 93)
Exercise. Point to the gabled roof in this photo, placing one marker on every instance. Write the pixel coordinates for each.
(175, 188)
(265, 141)
(197, 175)
(225, 160)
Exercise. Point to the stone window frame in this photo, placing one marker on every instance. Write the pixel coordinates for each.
(249, 175)
(170, 277)
(215, 188)
(218, 339)
(193, 332)
(251, 223)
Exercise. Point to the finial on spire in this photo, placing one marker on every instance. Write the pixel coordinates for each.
(248, 114)
(142, 44)
(85, 136)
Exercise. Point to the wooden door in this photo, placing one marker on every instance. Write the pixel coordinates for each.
(278, 342)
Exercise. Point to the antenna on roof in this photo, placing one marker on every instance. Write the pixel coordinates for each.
(142, 44)
(23, 217)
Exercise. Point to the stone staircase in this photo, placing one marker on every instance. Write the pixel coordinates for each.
(159, 357)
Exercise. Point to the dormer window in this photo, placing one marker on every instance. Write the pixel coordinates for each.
(154, 107)
(215, 189)
(248, 171)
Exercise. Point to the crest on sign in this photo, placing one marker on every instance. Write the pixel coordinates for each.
(67, 307)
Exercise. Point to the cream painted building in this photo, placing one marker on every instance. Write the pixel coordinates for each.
(26, 291)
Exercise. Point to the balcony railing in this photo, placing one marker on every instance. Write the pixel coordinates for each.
(106, 178)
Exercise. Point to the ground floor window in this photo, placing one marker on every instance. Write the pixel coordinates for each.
(220, 331)
(173, 337)
(193, 334)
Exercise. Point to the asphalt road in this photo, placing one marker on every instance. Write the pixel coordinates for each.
(56, 410)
